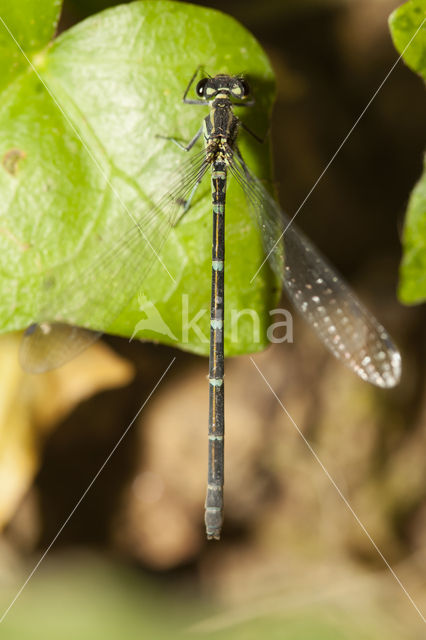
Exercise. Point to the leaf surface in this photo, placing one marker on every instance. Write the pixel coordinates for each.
(408, 29)
(80, 152)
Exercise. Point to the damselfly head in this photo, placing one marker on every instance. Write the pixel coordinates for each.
(233, 86)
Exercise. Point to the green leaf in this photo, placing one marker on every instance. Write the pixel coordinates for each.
(412, 288)
(70, 164)
(408, 29)
(32, 24)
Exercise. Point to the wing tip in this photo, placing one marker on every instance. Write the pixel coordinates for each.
(389, 375)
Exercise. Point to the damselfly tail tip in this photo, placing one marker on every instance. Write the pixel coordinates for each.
(213, 519)
(213, 536)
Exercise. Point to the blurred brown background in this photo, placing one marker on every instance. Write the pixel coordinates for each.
(292, 551)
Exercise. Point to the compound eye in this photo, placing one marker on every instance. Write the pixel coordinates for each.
(199, 89)
(245, 87)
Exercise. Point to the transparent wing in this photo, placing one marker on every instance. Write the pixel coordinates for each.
(101, 291)
(322, 297)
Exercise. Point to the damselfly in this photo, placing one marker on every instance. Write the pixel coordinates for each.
(343, 324)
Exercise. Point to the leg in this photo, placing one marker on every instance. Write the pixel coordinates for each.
(254, 135)
(190, 144)
(188, 147)
(189, 100)
(248, 103)
(187, 203)
(243, 164)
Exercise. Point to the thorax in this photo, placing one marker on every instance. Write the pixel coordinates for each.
(221, 123)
